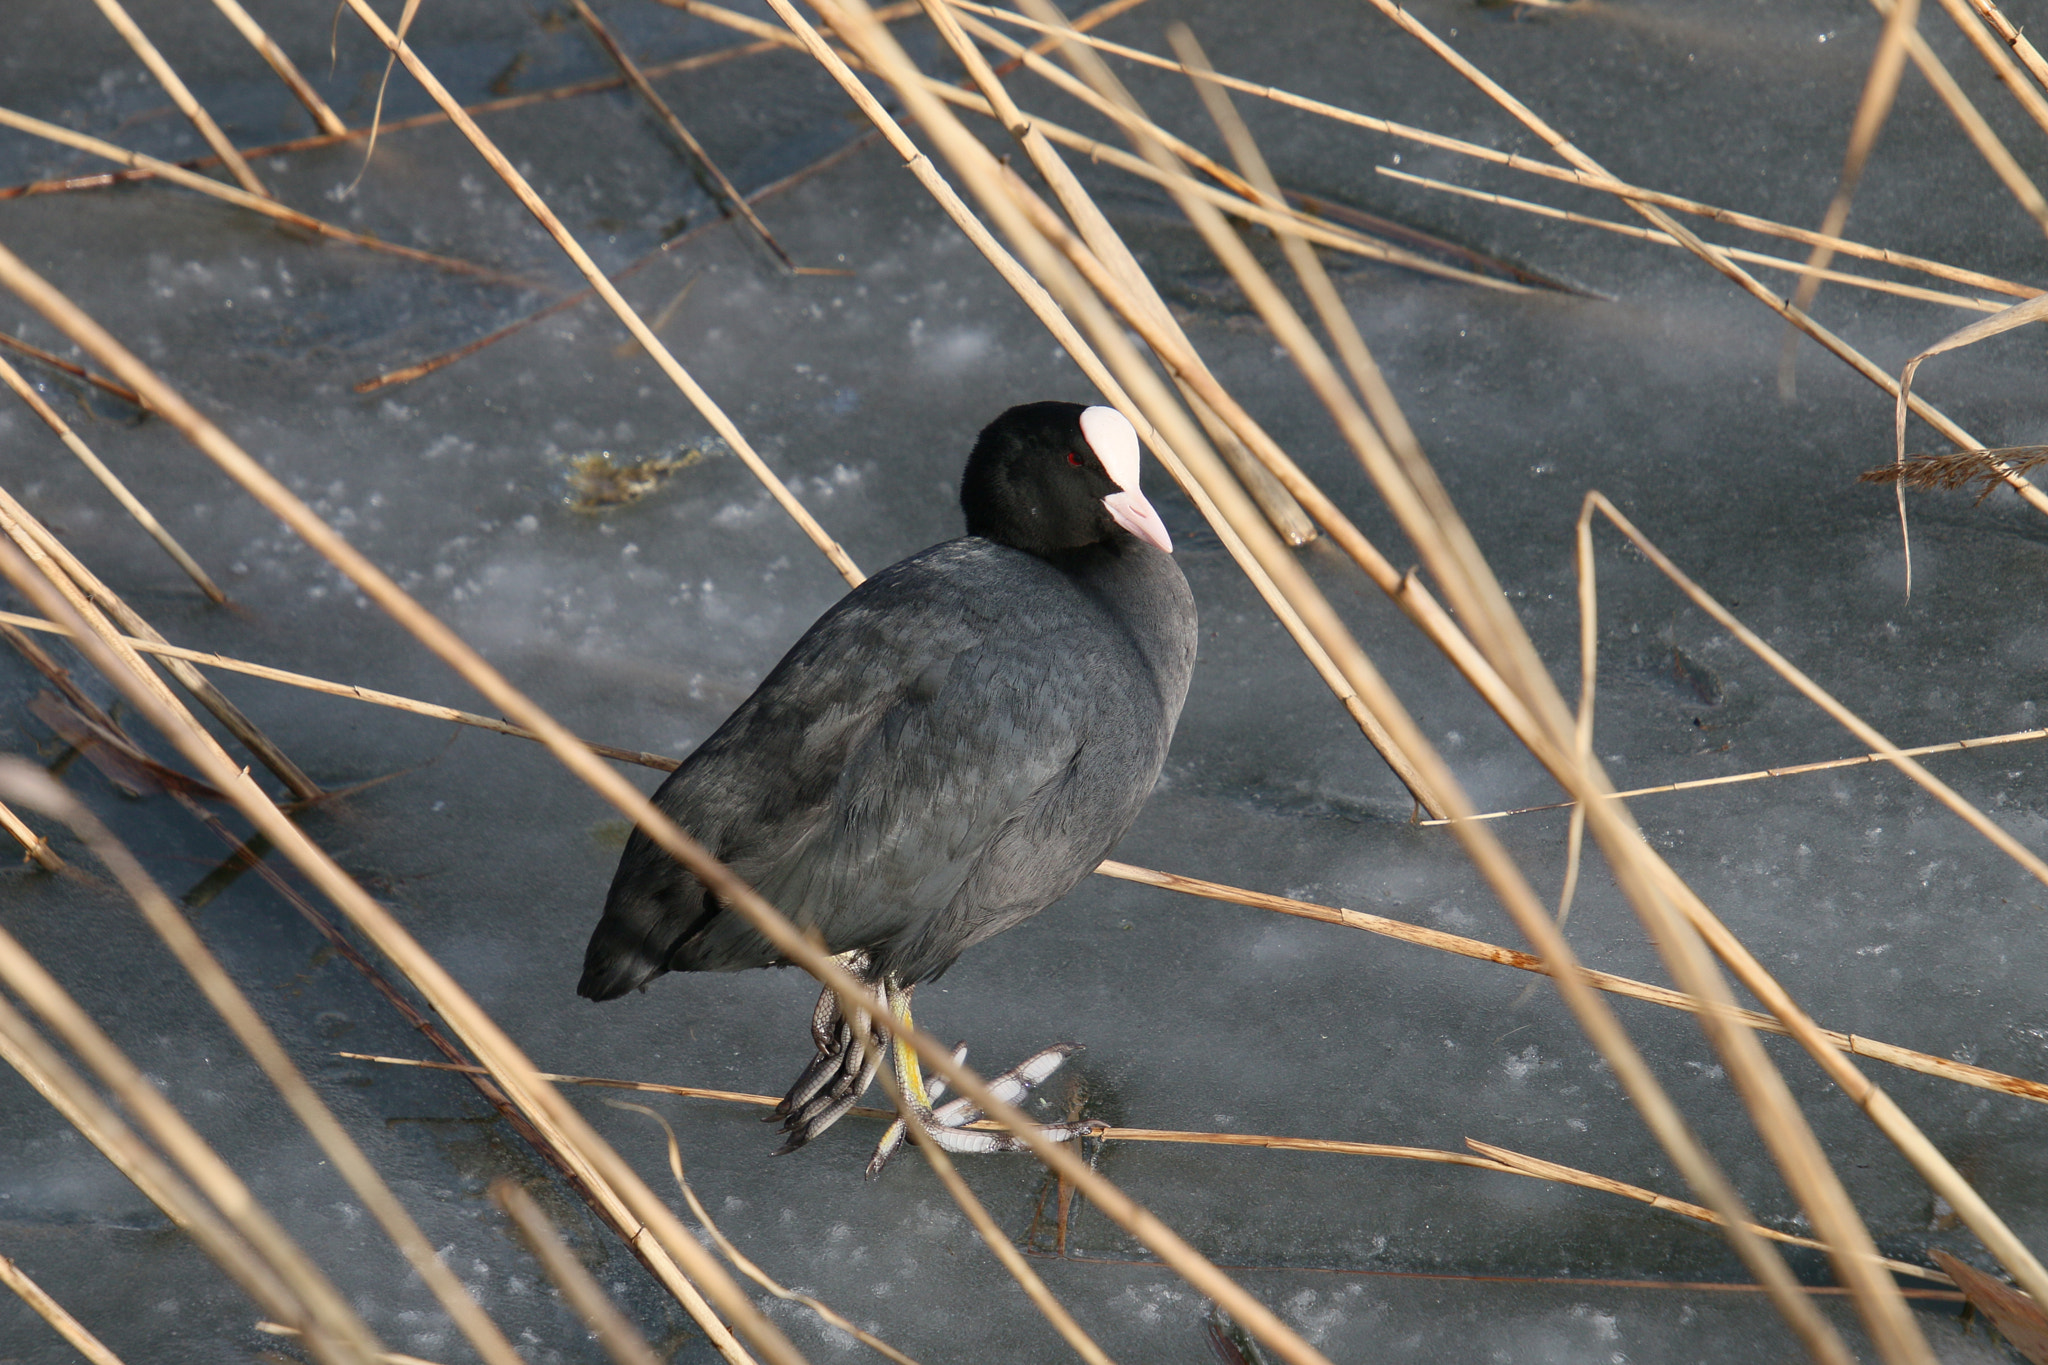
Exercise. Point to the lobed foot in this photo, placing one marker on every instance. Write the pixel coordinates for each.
(947, 1124)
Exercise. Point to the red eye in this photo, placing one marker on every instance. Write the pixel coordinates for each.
(1074, 459)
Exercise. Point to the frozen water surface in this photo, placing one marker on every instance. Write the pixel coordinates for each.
(642, 626)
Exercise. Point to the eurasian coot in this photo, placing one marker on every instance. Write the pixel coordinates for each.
(950, 749)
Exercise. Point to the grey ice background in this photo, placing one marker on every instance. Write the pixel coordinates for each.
(642, 627)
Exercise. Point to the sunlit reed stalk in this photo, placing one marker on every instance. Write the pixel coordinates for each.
(259, 1253)
(33, 845)
(1601, 182)
(659, 1238)
(725, 191)
(1490, 1158)
(74, 1332)
(1403, 475)
(109, 480)
(256, 203)
(302, 89)
(615, 1333)
(1663, 239)
(1926, 1063)
(740, 1262)
(31, 786)
(190, 107)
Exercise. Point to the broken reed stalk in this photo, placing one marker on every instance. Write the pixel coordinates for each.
(1999, 58)
(1877, 1050)
(722, 188)
(74, 1332)
(1434, 526)
(657, 1237)
(256, 203)
(55, 362)
(19, 522)
(110, 481)
(616, 1333)
(182, 97)
(33, 845)
(740, 1261)
(658, 352)
(1496, 1159)
(302, 89)
(1602, 182)
(282, 1279)
(28, 784)
(1664, 239)
(1062, 329)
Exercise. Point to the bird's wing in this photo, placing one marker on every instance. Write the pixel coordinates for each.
(856, 785)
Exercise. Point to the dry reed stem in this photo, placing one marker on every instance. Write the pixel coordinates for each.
(1880, 88)
(573, 90)
(257, 203)
(1928, 1161)
(2018, 315)
(49, 1310)
(1285, 514)
(55, 362)
(723, 188)
(2009, 33)
(658, 1237)
(1496, 1159)
(110, 481)
(620, 1339)
(31, 786)
(295, 1289)
(333, 689)
(1429, 938)
(71, 1095)
(420, 369)
(659, 353)
(1433, 523)
(301, 89)
(1062, 329)
(1959, 469)
(997, 1240)
(1602, 182)
(971, 159)
(33, 845)
(1647, 207)
(1979, 469)
(1319, 230)
(1664, 239)
(182, 97)
(278, 1329)
(747, 1267)
(1926, 1063)
(652, 1230)
(1101, 255)
(191, 679)
(1904, 1134)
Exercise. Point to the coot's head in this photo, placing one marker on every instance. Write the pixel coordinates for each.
(1047, 477)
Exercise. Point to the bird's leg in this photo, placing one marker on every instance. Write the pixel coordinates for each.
(947, 1125)
(849, 1054)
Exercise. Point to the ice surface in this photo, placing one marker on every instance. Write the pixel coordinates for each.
(644, 625)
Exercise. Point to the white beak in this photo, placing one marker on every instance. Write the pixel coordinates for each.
(1130, 511)
(1115, 443)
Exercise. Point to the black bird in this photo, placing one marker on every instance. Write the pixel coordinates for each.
(946, 752)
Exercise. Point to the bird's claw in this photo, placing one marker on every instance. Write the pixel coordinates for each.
(948, 1124)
